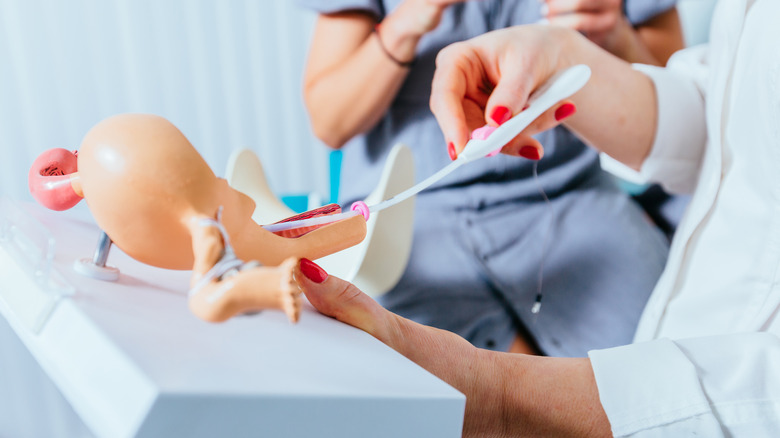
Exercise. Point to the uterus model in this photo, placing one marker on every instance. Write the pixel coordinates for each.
(159, 202)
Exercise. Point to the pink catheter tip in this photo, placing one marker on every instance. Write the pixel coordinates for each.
(482, 134)
(361, 208)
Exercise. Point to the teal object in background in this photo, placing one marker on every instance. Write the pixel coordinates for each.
(630, 187)
(298, 203)
(301, 202)
(335, 175)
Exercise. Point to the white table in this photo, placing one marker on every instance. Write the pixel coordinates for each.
(132, 361)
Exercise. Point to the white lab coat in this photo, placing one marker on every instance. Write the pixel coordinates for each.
(706, 357)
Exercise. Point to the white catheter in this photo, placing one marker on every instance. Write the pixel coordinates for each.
(557, 88)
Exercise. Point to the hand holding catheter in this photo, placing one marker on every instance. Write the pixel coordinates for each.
(557, 88)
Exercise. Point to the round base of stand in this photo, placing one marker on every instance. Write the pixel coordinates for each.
(87, 268)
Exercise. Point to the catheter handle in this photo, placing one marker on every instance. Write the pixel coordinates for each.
(557, 88)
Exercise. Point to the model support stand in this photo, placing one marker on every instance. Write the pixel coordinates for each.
(97, 268)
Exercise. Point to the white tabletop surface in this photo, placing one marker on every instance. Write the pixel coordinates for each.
(133, 361)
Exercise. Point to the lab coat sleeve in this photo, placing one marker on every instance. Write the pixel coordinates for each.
(681, 133)
(716, 386)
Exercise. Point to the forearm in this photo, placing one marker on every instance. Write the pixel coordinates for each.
(616, 110)
(474, 372)
(348, 91)
(545, 396)
(506, 394)
(351, 98)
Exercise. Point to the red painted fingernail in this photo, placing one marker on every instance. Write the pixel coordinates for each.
(312, 271)
(451, 151)
(500, 114)
(529, 152)
(564, 111)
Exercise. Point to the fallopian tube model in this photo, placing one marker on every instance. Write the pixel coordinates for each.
(157, 199)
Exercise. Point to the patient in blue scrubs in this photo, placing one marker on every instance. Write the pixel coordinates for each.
(483, 234)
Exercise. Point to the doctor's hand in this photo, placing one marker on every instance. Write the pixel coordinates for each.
(488, 79)
(506, 394)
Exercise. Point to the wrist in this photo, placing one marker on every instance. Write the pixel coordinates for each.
(489, 393)
(389, 50)
(403, 28)
(398, 42)
(552, 397)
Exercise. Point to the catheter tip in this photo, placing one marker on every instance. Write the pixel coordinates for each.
(361, 208)
(482, 134)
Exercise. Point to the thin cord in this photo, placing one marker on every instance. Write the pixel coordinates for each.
(537, 306)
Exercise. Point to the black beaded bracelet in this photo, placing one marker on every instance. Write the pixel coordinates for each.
(405, 64)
